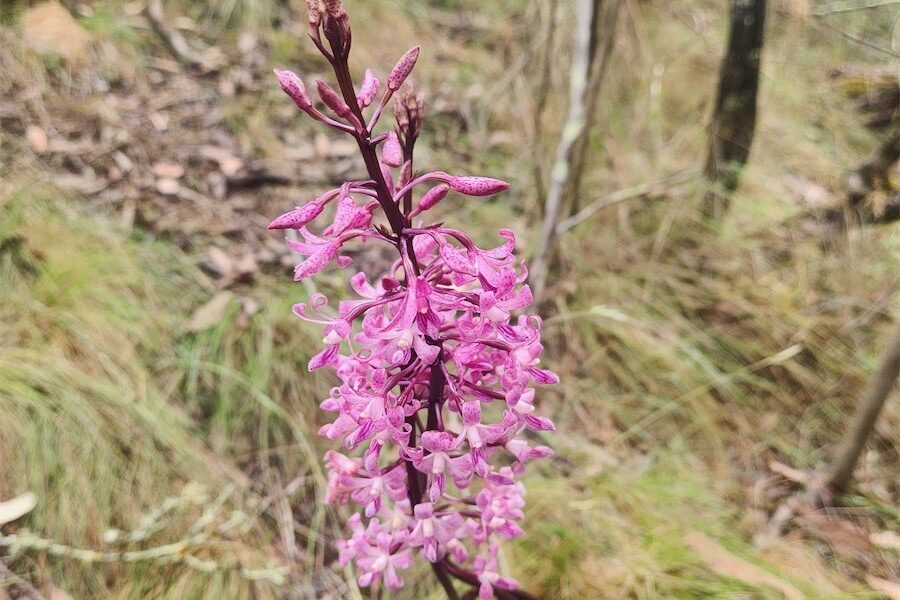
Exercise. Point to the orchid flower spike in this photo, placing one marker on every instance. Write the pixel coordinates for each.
(437, 364)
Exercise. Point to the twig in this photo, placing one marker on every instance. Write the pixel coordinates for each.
(865, 417)
(205, 530)
(545, 43)
(573, 129)
(842, 7)
(620, 196)
(861, 41)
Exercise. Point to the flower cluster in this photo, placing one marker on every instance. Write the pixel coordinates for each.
(435, 362)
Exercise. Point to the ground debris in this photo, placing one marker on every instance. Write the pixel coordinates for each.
(48, 28)
(210, 314)
(890, 588)
(728, 565)
(160, 152)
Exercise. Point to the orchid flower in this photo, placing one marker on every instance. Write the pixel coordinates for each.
(436, 362)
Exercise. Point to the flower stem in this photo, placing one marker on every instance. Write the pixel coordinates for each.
(440, 571)
(367, 148)
(501, 594)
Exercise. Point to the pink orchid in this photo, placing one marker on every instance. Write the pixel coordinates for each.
(437, 364)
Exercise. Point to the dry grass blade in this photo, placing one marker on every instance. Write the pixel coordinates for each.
(17, 508)
(891, 589)
(728, 565)
(638, 191)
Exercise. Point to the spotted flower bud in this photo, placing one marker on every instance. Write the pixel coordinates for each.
(335, 8)
(402, 69)
(368, 89)
(477, 186)
(392, 153)
(409, 109)
(432, 197)
(333, 100)
(293, 86)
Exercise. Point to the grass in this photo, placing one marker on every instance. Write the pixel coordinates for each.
(689, 360)
(85, 419)
(621, 534)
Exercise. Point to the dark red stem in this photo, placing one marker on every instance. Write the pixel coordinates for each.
(440, 571)
(471, 579)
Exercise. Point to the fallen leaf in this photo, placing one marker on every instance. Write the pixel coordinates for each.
(85, 184)
(159, 121)
(843, 536)
(167, 169)
(728, 565)
(249, 307)
(891, 589)
(246, 266)
(228, 163)
(789, 473)
(210, 313)
(886, 540)
(810, 193)
(123, 161)
(227, 88)
(247, 42)
(167, 186)
(127, 214)
(185, 23)
(17, 508)
(37, 138)
(57, 594)
(218, 263)
(49, 28)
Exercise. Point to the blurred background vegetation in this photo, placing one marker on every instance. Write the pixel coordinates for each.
(153, 389)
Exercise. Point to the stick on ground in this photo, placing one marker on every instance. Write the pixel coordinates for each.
(841, 473)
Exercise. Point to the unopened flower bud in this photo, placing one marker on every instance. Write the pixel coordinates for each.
(402, 69)
(432, 197)
(401, 116)
(298, 217)
(293, 86)
(477, 186)
(392, 152)
(312, 10)
(368, 89)
(408, 111)
(333, 100)
(335, 8)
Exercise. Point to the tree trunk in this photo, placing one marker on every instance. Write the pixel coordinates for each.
(865, 418)
(594, 31)
(734, 115)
